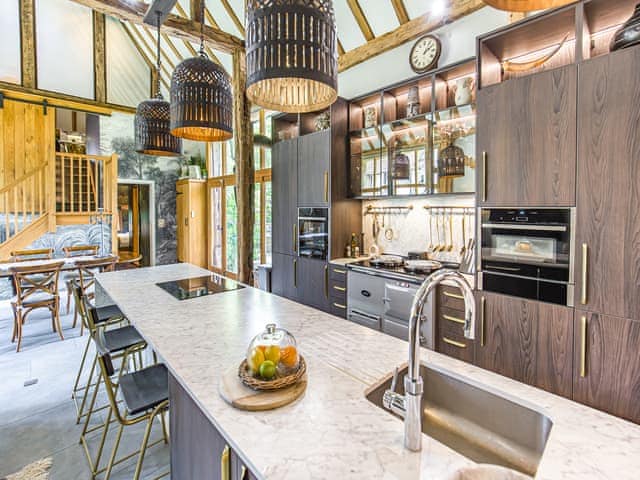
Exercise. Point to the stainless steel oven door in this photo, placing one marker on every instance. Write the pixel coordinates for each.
(398, 298)
(364, 297)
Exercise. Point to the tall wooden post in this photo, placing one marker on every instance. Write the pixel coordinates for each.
(28, 43)
(243, 135)
(99, 57)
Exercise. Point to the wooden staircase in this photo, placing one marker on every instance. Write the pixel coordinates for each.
(65, 191)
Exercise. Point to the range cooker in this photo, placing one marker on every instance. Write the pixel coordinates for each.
(380, 297)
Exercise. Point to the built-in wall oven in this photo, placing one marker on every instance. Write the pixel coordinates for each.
(313, 232)
(528, 253)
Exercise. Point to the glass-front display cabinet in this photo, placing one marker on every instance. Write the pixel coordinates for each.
(416, 138)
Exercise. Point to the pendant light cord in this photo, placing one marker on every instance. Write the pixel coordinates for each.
(158, 92)
(202, 52)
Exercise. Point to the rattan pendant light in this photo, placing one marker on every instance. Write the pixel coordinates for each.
(292, 60)
(151, 124)
(201, 99)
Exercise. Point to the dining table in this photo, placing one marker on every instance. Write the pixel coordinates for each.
(70, 263)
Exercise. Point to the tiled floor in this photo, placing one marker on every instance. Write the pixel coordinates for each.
(38, 421)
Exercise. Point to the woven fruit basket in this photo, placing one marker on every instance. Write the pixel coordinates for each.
(276, 383)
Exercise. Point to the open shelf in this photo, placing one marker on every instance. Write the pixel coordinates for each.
(602, 18)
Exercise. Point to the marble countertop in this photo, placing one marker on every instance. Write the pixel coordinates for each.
(348, 260)
(333, 432)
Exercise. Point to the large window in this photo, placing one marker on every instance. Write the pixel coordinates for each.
(222, 197)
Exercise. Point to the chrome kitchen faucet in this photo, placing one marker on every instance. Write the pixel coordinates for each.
(408, 406)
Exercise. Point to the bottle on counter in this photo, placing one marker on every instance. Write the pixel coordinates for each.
(347, 251)
(354, 244)
(357, 254)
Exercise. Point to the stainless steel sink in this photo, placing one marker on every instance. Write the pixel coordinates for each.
(480, 425)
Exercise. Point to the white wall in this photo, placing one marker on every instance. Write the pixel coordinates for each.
(10, 69)
(128, 76)
(64, 47)
(458, 43)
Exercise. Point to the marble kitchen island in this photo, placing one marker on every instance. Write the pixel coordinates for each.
(333, 432)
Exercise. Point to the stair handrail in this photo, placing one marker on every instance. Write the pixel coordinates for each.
(21, 179)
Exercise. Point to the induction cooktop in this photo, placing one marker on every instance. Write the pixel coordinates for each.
(195, 287)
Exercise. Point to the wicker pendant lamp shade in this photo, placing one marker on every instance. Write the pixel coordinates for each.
(201, 101)
(201, 98)
(151, 124)
(292, 61)
(526, 5)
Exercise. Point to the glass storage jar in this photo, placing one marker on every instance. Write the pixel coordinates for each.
(273, 353)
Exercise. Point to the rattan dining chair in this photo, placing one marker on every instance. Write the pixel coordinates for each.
(145, 395)
(87, 270)
(76, 251)
(36, 287)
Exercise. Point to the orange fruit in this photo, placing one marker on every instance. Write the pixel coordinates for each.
(289, 356)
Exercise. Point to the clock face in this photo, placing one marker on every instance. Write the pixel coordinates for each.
(425, 54)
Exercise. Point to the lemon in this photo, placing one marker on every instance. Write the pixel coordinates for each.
(272, 352)
(268, 370)
(255, 359)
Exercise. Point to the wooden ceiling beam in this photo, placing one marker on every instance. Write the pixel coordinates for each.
(406, 32)
(99, 58)
(361, 19)
(195, 6)
(28, 43)
(340, 48)
(184, 28)
(401, 11)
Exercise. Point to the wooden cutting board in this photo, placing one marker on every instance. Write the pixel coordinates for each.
(238, 395)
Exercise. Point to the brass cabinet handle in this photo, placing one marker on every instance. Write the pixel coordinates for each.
(326, 281)
(453, 319)
(326, 186)
(340, 289)
(224, 464)
(484, 176)
(295, 238)
(585, 272)
(295, 273)
(453, 342)
(341, 272)
(583, 346)
(483, 304)
(339, 305)
(453, 295)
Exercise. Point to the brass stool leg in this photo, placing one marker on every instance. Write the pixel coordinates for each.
(143, 447)
(165, 433)
(114, 452)
(86, 389)
(82, 362)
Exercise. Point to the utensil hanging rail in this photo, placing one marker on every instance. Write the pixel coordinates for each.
(388, 210)
(450, 210)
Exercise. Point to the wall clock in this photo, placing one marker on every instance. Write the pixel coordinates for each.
(425, 54)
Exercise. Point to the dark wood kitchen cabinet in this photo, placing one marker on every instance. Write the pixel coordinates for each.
(284, 196)
(607, 262)
(313, 283)
(606, 364)
(526, 340)
(314, 165)
(285, 283)
(198, 449)
(526, 140)
(449, 315)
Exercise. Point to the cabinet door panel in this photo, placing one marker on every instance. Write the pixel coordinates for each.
(314, 283)
(509, 331)
(285, 196)
(608, 191)
(611, 380)
(284, 276)
(526, 340)
(527, 127)
(314, 159)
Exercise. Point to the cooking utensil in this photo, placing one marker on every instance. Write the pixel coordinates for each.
(464, 236)
(422, 265)
(450, 248)
(388, 233)
(440, 220)
(431, 246)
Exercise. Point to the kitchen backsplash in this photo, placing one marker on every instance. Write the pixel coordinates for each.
(409, 231)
